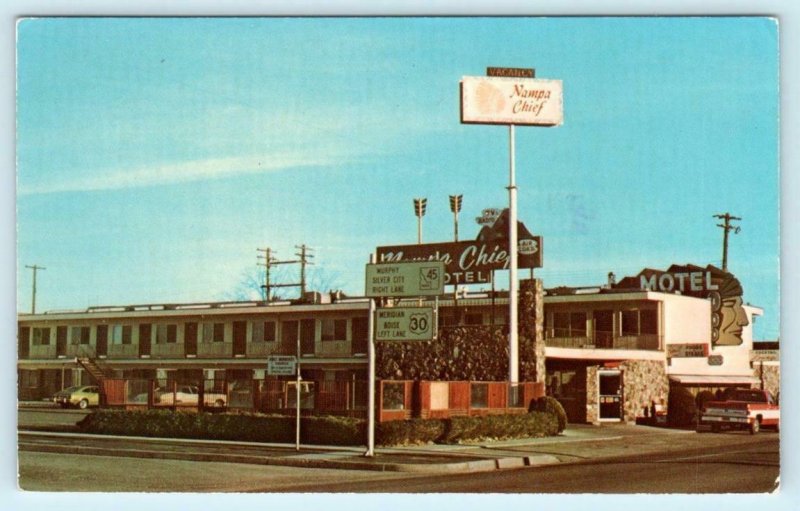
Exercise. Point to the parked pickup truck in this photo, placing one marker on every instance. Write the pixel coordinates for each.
(749, 409)
(188, 395)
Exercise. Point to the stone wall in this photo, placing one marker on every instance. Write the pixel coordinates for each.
(769, 375)
(592, 398)
(476, 353)
(644, 381)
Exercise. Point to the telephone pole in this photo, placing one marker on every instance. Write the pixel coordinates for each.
(727, 227)
(268, 260)
(35, 268)
(304, 260)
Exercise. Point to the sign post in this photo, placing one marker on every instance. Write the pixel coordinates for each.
(371, 374)
(297, 395)
(397, 279)
(511, 96)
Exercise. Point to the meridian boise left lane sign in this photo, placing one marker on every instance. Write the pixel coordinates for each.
(404, 324)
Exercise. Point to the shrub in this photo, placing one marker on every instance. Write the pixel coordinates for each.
(681, 410)
(411, 431)
(225, 426)
(549, 404)
(533, 424)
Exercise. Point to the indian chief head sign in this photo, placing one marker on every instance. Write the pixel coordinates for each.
(728, 317)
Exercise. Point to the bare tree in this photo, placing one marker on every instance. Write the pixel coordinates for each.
(251, 283)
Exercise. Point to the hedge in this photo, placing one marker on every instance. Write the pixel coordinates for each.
(324, 430)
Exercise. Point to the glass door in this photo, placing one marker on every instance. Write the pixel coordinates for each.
(610, 395)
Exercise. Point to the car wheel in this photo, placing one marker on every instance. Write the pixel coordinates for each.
(755, 427)
(83, 404)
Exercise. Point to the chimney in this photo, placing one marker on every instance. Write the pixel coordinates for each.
(612, 279)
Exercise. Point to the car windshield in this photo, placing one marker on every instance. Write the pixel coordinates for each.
(71, 389)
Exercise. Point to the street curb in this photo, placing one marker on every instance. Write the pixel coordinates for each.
(300, 462)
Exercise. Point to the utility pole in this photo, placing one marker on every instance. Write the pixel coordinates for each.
(35, 268)
(270, 261)
(267, 257)
(420, 205)
(727, 227)
(304, 257)
(455, 207)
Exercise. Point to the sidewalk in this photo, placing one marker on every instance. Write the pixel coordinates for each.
(483, 456)
(579, 443)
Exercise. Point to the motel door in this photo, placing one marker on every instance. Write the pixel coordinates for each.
(239, 338)
(610, 395)
(61, 342)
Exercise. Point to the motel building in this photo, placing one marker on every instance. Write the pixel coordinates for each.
(611, 352)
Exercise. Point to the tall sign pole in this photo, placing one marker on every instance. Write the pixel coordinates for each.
(513, 284)
(371, 375)
(511, 96)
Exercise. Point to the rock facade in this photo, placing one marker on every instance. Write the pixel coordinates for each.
(472, 352)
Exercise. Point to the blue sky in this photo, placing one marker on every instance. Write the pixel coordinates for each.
(155, 155)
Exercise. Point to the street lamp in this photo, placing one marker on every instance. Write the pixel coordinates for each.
(455, 207)
(419, 209)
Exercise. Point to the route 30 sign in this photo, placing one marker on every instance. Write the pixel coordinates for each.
(404, 324)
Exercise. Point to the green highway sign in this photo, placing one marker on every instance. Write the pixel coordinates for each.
(404, 324)
(415, 278)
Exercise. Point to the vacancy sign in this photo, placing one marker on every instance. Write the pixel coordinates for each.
(404, 324)
(510, 100)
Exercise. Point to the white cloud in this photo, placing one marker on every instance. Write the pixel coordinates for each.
(183, 172)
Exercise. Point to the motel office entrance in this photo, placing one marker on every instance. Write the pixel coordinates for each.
(567, 382)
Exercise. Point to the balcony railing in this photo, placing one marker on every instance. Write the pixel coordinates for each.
(602, 340)
(81, 350)
(166, 350)
(43, 351)
(260, 349)
(123, 351)
(215, 349)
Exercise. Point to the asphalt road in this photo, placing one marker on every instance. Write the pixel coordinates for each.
(751, 467)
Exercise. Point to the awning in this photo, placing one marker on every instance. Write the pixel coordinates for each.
(693, 379)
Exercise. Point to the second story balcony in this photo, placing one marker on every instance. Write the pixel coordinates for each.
(554, 338)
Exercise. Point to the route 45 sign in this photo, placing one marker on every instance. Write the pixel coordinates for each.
(414, 278)
(404, 324)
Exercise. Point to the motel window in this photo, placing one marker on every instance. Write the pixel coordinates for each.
(360, 334)
(264, 331)
(560, 324)
(167, 334)
(219, 332)
(334, 329)
(121, 334)
(577, 324)
(649, 321)
(289, 333)
(80, 335)
(447, 320)
(41, 336)
(630, 322)
(473, 319)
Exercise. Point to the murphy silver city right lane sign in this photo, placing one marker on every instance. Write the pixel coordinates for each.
(510, 100)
